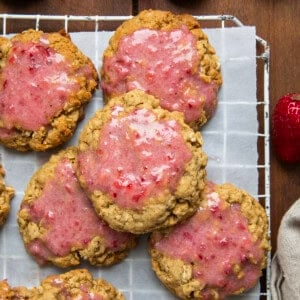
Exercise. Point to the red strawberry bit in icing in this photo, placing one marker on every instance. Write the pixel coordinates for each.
(138, 157)
(216, 239)
(61, 197)
(36, 82)
(164, 64)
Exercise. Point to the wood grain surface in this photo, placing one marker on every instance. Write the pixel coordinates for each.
(276, 21)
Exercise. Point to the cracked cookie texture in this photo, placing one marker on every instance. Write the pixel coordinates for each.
(141, 165)
(6, 195)
(45, 82)
(219, 251)
(75, 284)
(58, 223)
(169, 56)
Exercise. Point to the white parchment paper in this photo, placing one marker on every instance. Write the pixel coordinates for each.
(230, 142)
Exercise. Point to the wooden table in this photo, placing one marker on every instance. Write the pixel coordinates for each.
(278, 22)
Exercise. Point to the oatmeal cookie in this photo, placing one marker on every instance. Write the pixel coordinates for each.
(6, 291)
(75, 284)
(6, 194)
(141, 165)
(58, 223)
(168, 56)
(219, 251)
(45, 82)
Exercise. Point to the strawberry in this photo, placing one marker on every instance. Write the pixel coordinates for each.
(286, 128)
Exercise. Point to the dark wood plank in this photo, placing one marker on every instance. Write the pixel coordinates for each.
(64, 7)
(284, 37)
(277, 22)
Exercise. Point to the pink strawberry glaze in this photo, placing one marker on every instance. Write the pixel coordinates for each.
(7, 133)
(138, 157)
(36, 82)
(164, 64)
(66, 213)
(215, 239)
(85, 294)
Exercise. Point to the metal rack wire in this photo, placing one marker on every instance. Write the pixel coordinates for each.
(223, 21)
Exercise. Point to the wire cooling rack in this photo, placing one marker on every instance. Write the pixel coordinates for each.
(262, 105)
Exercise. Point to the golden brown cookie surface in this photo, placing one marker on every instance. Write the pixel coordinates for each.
(168, 56)
(45, 82)
(6, 194)
(58, 223)
(142, 166)
(75, 284)
(219, 251)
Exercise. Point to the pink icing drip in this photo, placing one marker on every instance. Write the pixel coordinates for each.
(86, 295)
(138, 157)
(161, 63)
(7, 133)
(215, 239)
(66, 213)
(36, 83)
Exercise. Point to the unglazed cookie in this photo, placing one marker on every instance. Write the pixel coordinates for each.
(141, 165)
(6, 194)
(45, 81)
(219, 251)
(6, 291)
(58, 223)
(168, 56)
(75, 284)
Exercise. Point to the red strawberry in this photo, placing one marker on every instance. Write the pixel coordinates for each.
(286, 128)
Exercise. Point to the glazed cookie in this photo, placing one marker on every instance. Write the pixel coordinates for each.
(6, 194)
(167, 56)
(58, 223)
(45, 81)
(75, 284)
(141, 165)
(219, 251)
